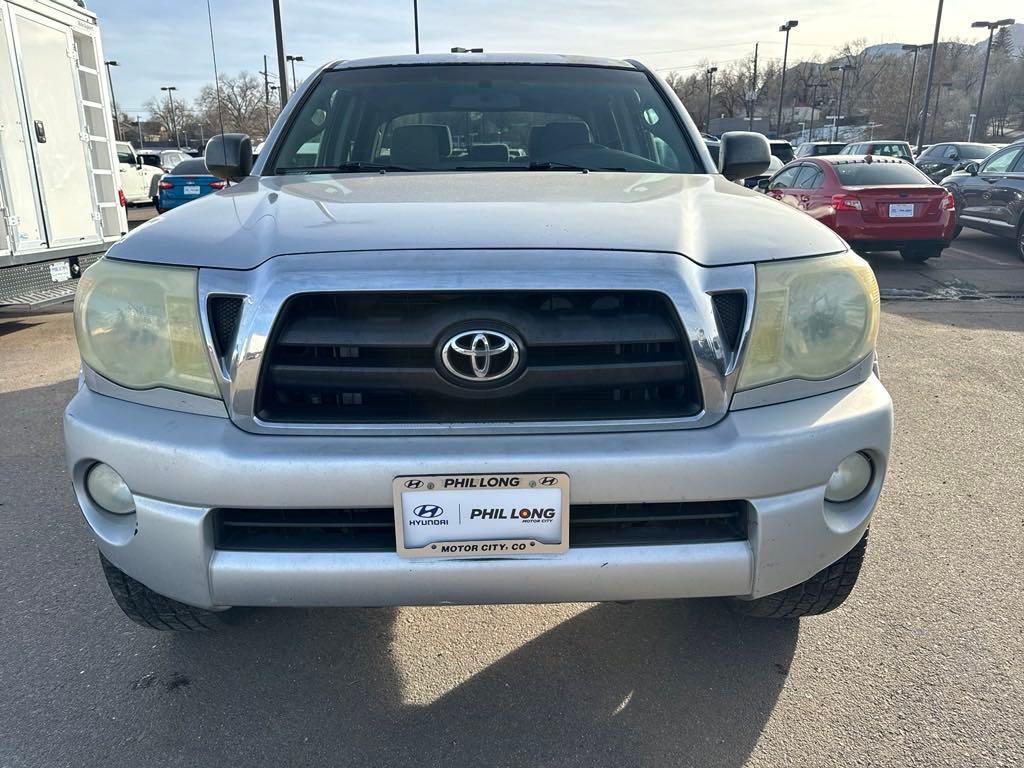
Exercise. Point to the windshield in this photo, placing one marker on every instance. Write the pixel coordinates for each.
(876, 174)
(485, 117)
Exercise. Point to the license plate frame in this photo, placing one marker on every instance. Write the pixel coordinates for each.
(60, 272)
(191, 190)
(901, 210)
(504, 537)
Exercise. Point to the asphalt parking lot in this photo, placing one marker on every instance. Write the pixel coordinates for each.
(923, 666)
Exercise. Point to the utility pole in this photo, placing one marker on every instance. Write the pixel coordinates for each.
(266, 92)
(910, 94)
(710, 72)
(842, 86)
(416, 23)
(992, 27)
(282, 70)
(753, 89)
(170, 104)
(938, 92)
(142, 139)
(814, 102)
(928, 83)
(782, 87)
(113, 99)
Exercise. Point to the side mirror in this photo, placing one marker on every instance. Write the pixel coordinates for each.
(138, 163)
(743, 154)
(762, 184)
(229, 156)
(972, 168)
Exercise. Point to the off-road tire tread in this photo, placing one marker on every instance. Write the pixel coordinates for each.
(823, 592)
(144, 606)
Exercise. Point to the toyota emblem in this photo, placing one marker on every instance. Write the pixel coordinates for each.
(480, 356)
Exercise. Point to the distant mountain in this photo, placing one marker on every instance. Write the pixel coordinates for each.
(889, 49)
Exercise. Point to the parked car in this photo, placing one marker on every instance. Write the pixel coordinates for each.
(782, 149)
(599, 370)
(990, 195)
(188, 181)
(774, 166)
(164, 159)
(137, 178)
(875, 203)
(900, 149)
(816, 148)
(940, 160)
(713, 146)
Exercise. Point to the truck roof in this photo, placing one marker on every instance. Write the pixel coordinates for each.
(481, 58)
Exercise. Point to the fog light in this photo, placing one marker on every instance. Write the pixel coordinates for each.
(849, 479)
(109, 492)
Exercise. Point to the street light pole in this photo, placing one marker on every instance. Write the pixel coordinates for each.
(710, 72)
(282, 70)
(928, 83)
(814, 101)
(113, 99)
(170, 105)
(295, 82)
(938, 93)
(416, 23)
(992, 27)
(842, 86)
(910, 94)
(782, 87)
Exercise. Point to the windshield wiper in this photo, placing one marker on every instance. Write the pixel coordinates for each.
(352, 167)
(548, 165)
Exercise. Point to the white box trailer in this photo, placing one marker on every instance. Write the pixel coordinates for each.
(59, 182)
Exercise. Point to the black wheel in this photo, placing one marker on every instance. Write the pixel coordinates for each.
(920, 255)
(957, 231)
(144, 606)
(1020, 239)
(823, 592)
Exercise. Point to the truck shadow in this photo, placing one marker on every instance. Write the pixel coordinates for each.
(654, 683)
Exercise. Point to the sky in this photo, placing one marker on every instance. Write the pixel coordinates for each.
(167, 42)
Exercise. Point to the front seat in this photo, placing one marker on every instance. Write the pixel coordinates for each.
(554, 137)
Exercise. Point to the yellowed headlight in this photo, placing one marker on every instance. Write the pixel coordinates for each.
(813, 319)
(138, 325)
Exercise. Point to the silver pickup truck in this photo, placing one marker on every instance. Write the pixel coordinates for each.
(479, 328)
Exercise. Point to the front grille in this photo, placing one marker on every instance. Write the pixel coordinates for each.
(375, 358)
(372, 529)
(225, 313)
(730, 311)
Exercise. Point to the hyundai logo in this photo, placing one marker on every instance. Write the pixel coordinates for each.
(414, 483)
(480, 356)
(549, 481)
(429, 511)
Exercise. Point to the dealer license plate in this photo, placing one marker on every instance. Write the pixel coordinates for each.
(482, 516)
(190, 189)
(901, 210)
(60, 271)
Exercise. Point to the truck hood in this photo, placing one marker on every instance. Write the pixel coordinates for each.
(705, 218)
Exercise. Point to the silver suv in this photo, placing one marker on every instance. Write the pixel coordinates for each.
(479, 329)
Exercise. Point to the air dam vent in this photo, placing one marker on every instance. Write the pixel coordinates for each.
(225, 313)
(372, 529)
(377, 358)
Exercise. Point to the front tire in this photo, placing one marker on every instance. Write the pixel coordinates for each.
(1020, 239)
(823, 592)
(154, 611)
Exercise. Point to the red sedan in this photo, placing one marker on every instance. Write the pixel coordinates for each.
(874, 203)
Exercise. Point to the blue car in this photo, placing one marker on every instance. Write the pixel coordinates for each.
(189, 180)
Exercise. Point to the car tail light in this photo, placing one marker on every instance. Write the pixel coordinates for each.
(218, 184)
(949, 202)
(846, 203)
(166, 185)
(121, 198)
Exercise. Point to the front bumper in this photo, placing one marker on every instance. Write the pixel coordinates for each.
(180, 465)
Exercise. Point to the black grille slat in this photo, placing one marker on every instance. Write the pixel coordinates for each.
(225, 313)
(372, 358)
(730, 312)
(371, 529)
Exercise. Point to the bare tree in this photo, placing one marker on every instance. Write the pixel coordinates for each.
(242, 105)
